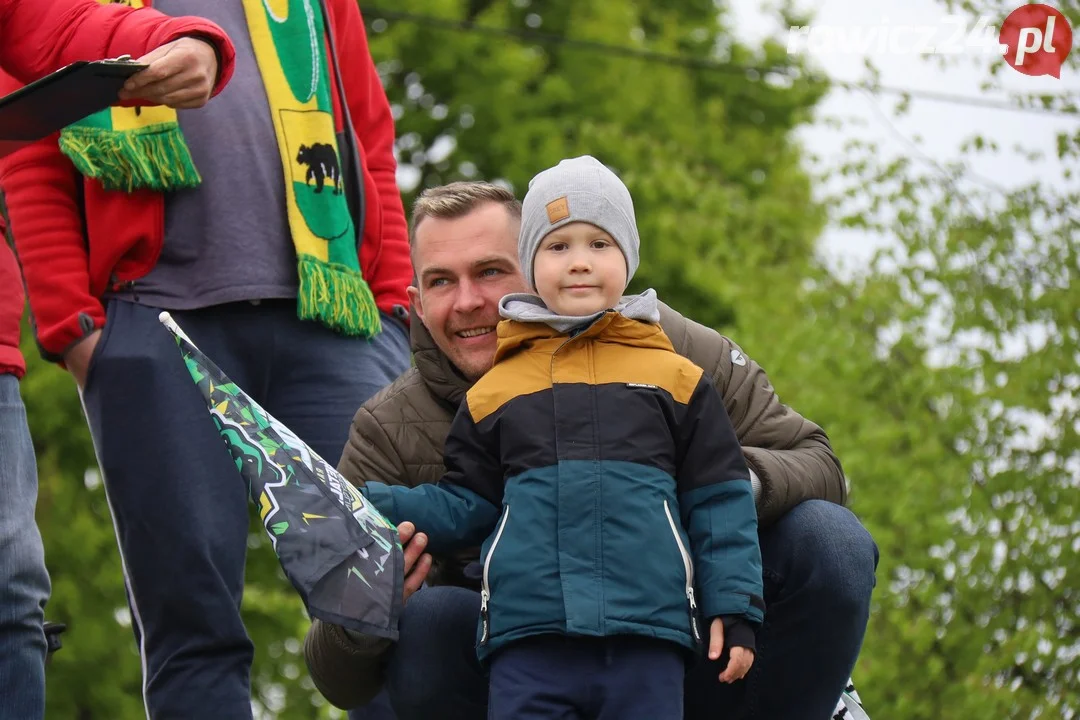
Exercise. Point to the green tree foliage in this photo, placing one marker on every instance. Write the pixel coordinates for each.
(707, 149)
(965, 456)
(945, 373)
(972, 317)
(978, 617)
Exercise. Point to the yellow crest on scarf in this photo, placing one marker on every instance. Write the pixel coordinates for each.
(289, 40)
(300, 105)
(126, 118)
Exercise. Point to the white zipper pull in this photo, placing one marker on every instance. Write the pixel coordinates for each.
(484, 596)
(485, 588)
(693, 615)
(689, 566)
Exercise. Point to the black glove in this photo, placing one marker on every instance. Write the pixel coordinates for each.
(738, 633)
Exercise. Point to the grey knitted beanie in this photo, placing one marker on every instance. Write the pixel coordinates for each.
(579, 189)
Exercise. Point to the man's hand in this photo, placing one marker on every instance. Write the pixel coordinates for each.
(77, 359)
(741, 658)
(181, 74)
(417, 562)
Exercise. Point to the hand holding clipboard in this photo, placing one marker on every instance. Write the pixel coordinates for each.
(181, 74)
(57, 100)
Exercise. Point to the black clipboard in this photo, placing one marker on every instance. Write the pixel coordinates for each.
(57, 100)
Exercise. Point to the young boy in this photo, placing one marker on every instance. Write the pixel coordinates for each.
(601, 472)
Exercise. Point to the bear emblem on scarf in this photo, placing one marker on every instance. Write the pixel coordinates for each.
(322, 164)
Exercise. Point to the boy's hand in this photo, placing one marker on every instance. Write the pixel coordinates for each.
(741, 658)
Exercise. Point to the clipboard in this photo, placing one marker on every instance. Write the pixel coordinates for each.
(55, 101)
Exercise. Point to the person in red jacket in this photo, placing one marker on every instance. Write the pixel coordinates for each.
(274, 234)
(188, 59)
(24, 580)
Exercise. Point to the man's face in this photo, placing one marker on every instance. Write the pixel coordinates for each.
(464, 266)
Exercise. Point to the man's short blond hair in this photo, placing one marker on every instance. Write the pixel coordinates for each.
(458, 199)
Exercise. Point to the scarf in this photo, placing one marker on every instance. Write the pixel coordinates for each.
(134, 148)
(525, 307)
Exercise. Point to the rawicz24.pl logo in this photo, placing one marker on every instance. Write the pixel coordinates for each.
(1035, 40)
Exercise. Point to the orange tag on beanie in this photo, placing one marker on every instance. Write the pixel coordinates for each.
(558, 210)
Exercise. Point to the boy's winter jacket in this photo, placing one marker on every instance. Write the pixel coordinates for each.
(606, 484)
(398, 436)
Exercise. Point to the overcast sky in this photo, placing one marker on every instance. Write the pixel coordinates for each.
(942, 127)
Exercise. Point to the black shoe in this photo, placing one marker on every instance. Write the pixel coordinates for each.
(52, 636)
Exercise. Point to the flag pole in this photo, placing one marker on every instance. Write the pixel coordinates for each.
(167, 320)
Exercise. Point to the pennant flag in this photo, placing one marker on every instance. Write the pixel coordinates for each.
(342, 556)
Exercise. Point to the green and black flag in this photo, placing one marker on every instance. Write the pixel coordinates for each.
(341, 555)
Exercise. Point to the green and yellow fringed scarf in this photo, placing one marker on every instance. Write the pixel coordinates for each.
(127, 149)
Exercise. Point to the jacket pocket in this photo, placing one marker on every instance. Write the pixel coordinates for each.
(485, 587)
(99, 349)
(688, 567)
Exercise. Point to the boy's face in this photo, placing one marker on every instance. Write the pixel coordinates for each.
(579, 270)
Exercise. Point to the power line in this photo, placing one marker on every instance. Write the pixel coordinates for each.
(968, 100)
(922, 155)
(966, 170)
(374, 14)
(552, 38)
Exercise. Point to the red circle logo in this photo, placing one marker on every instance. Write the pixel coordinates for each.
(1037, 39)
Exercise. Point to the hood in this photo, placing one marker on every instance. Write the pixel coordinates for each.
(634, 321)
(447, 383)
(525, 307)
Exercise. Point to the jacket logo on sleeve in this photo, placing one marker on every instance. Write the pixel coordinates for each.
(738, 358)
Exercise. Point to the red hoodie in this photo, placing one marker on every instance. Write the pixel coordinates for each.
(37, 38)
(75, 240)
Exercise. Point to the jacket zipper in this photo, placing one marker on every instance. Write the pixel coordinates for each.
(689, 567)
(485, 590)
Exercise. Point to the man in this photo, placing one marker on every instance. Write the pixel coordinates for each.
(818, 561)
(183, 72)
(271, 228)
